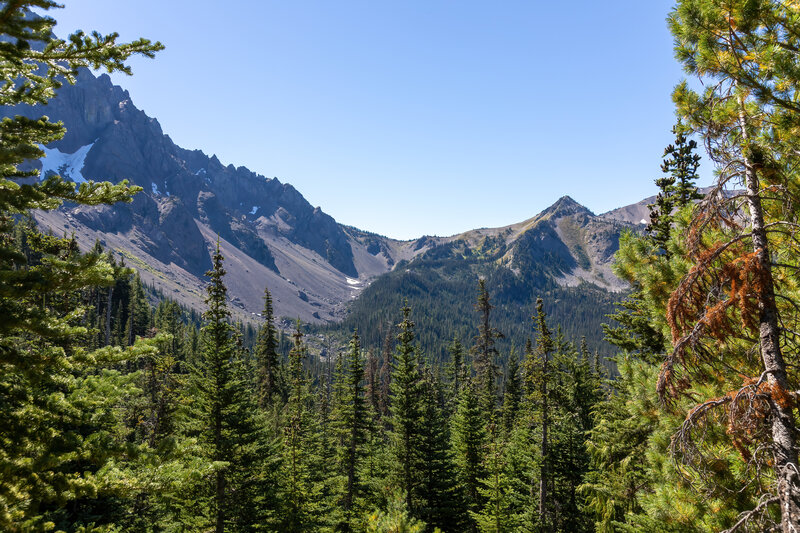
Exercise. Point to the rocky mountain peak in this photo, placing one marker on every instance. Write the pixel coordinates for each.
(270, 234)
(566, 206)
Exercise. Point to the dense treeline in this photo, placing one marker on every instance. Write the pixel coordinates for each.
(188, 428)
(440, 285)
(117, 416)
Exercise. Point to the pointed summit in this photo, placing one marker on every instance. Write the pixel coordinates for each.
(566, 206)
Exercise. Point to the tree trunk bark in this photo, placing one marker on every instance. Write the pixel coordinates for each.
(782, 419)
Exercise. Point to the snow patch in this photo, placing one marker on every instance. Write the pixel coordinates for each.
(643, 221)
(201, 171)
(253, 211)
(67, 166)
(351, 281)
(155, 189)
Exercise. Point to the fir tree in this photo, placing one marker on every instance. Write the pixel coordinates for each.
(387, 364)
(168, 320)
(266, 353)
(44, 369)
(353, 424)
(485, 353)
(456, 371)
(138, 324)
(469, 440)
(372, 383)
(544, 345)
(438, 494)
(676, 189)
(223, 413)
(512, 395)
(496, 515)
(406, 413)
(302, 490)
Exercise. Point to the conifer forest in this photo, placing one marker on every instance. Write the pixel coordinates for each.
(122, 409)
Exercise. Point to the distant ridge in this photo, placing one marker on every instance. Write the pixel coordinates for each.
(269, 234)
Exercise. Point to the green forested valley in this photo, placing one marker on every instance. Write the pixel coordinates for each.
(432, 408)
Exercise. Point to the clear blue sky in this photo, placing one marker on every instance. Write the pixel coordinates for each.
(412, 117)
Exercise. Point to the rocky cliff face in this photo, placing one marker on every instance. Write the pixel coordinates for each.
(269, 234)
(187, 195)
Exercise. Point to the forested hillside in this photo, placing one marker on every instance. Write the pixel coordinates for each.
(440, 286)
(120, 415)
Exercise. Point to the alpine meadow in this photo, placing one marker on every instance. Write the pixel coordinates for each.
(195, 347)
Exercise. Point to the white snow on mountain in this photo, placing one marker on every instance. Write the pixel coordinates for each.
(67, 166)
(253, 211)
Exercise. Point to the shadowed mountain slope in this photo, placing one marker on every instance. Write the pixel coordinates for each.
(269, 234)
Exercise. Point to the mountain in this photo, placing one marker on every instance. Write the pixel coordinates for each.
(563, 255)
(269, 234)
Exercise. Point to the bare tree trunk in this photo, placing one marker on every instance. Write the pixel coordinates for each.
(782, 419)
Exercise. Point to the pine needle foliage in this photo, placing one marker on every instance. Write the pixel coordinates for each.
(46, 373)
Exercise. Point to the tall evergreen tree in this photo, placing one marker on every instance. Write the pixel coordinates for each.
(733, 301)
(456, 371)
(351, 413)
(438, 493)
(512, 394)
(43, 368)
(469, 440)
(223, 412)
(302, 489)
(372, 377)
(266, 353)
(387, 365)
(544, 345)
(497, 514)
(485, 353)
(138, 324)
(676, 188)
(406, 411)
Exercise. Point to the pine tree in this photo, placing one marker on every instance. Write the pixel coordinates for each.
(223, 413)
(406, 413)
(396, 519)
(544, 345)
(44, 370)
(496, 515)
(730, 303)
(266, 353)
(469, 440)
(677, 188)
(438, 495)
(351, 414)
(302, 490)
(512, 395)
(456, 371)
(485, 353)
(387, 364)
(634, 483)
